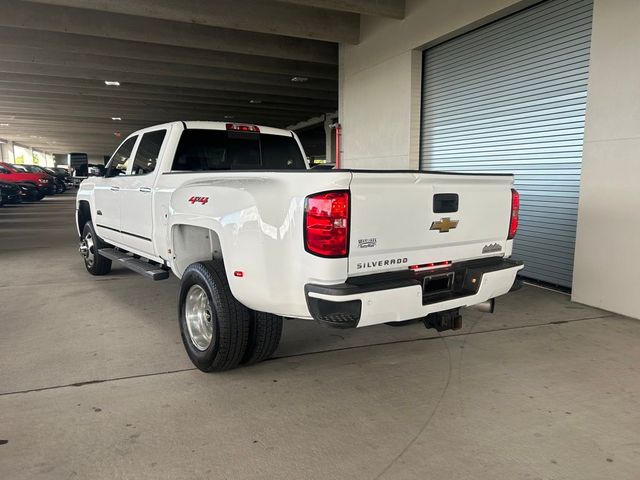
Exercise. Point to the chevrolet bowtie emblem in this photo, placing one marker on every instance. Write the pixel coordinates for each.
(444, 225)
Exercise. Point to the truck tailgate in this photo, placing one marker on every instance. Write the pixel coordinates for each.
(400, 219)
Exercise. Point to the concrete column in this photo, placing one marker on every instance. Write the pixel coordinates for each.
(6, 150)
(606, 260)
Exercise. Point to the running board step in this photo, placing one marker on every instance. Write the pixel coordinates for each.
(149, 270)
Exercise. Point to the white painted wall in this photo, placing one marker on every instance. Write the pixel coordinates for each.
(608, 242)
(380, 78)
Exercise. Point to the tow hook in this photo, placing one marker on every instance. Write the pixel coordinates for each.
(83, 248)
(447, 320)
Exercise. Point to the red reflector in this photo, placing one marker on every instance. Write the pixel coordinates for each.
(425, 266)
(239, 127)
(326, 224)
(238, 273)
(515, 209)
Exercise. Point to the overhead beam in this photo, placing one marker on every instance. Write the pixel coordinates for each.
(152, 116)
(84, 44)
(117, 65)
(164, 80)
(70, 95)
(139, 109)
(43, 115)
(294, 20)
(80, 21)
(380, 8)
(43, 82)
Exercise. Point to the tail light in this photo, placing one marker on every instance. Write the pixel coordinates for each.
(515, 209)
(239, 127)
(427, 266)
(326, 224)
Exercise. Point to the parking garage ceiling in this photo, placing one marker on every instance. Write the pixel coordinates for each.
(258, 61)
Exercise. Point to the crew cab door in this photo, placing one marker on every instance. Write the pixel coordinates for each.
(136, 193)
(107, 193)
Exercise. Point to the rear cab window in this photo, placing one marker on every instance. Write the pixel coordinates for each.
(209, 150)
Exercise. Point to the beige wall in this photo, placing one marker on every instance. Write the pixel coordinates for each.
(381, 77)
(608, 243)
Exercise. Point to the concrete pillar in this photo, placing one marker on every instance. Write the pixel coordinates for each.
(606, 259)
(6, 150)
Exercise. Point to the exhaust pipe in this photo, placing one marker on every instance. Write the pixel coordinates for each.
(487, 307)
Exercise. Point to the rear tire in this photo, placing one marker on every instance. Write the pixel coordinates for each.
(95, 263)
(265, 331)
(214, 326)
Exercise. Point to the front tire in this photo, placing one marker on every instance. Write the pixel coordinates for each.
(214, 326)
(95, 263)
(265, 331)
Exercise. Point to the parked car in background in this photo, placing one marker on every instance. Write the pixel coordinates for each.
(29, 192)
(44, 182)
(9, 193)
(62, 178)
(96, 170)
(63, 173)
(58, 181)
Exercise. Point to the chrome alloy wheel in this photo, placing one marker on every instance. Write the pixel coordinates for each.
(199, 317)
(87, 249)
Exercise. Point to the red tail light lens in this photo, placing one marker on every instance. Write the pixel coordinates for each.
(239, 127)
(515, 211)
(426, 266)
(326, 224)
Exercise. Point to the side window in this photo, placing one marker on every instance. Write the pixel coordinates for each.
(148, 152)
(4, 170)
(120, 160)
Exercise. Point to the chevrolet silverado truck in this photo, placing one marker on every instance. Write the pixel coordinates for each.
(254, 235)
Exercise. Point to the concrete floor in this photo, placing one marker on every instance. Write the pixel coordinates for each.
(94, 383)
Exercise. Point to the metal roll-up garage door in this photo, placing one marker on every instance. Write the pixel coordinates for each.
(511, 97)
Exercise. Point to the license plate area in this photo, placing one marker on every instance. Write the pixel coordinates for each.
(438, 284)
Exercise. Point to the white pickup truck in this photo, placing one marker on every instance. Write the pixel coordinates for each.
(234, 211)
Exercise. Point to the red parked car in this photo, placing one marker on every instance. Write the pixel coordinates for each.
(43, 182)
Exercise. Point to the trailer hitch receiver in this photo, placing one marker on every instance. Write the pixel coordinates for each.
(447, 320)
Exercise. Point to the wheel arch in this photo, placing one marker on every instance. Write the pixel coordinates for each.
(193, 243)
(83, 215)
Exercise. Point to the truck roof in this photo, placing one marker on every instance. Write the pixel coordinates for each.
(223, 126)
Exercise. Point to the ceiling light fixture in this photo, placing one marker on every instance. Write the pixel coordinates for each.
(4, 124)
(255, 101)
(300, 79)
(112, 83)
(116, 119)
(228, 117)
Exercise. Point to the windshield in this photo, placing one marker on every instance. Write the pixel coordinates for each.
(205, 150)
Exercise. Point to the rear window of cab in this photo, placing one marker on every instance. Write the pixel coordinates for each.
(209, 150)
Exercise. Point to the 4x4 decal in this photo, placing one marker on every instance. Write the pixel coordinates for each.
(202, 200)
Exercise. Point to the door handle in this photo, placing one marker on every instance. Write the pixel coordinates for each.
(115, 189)
(145, 189)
